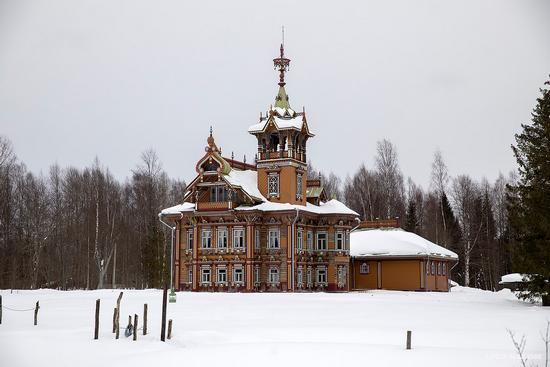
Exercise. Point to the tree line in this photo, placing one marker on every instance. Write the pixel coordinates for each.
(81, 228)
(467, 216)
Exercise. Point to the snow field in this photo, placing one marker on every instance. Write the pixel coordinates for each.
(463, 327)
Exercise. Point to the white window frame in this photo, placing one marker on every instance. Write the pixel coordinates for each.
(274, 238)
(339, 240)
(310, 240)
(218, 272)
(190, 275)
(300, 277)
(206, 238)
(427, 267)
(256, 275)
(433, 267)
(309, 277)
(444, 270)
(364, 268)
(273, 184)
(319, 271)
(222, 240)
(238, 238)
(273, 275)
(206, 275)
(325, 242)
(238, 275)
(439, 268)
(257, 245)
(300, 239)
(189, 239)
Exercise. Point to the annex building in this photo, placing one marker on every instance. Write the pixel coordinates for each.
(266, 227)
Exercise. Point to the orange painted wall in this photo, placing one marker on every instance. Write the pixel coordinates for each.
(364, 281)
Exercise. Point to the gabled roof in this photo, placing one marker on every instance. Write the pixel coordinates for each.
(282, 119)
(388, 242)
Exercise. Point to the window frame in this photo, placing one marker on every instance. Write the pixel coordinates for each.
(273, 184)
(218, 272)
(220, 231)
(273, 276)
(309, 237)
(207, 238)
(238, 239)
(324, 233)
(277, 238)
(364, 268)
(238, 270)
(300, 239)
(257, 243)
(206, 271)
(342, 245)
(189, 239)
(322, 270)
(299, 185)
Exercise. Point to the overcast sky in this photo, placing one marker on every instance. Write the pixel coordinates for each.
(113, 78)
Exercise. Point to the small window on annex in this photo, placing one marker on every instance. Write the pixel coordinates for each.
(364, 269)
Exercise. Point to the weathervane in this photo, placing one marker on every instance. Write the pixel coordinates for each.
(282, 62)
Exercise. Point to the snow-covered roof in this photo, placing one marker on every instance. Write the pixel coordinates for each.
(394, 242)
(281, 124)
(247, 180)
(514, 278)
(330, 207)
(185, 207)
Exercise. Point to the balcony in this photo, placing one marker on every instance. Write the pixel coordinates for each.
(214, 205)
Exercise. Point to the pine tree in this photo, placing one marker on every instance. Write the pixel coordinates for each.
(411, 223)
(530, 201)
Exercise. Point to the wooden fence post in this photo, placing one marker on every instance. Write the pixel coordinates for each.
(117, 322)
(96, 328)
(36, 313)
(135, 326)
(170, 329)
(409, 335)
(163, 321)
(114, 320)
(145, 319)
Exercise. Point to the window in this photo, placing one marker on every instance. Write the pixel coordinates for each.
(190, 239)
(339, 240)
(222, 237)
(257, 239)
(206, 238)
(321, 276)
(273, 275)
(365, 269)
(444, 269)
(300, 276)
(298, 185)
(439, 268)
(428, 267)
(309, 240)
(309, 277)
(238, 238)
(300, 240)
(238, 275)
(190, 275)
(256, 274)
(433, 267)
(222, 275)
(273, 238)
(273, 184)
(321, 241)
(218, 194)
(205, 275)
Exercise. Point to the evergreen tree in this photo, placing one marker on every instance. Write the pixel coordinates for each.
(530, 201)
(411, 224)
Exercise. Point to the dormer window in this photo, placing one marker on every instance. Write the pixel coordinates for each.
(273, 184)
(218, 194)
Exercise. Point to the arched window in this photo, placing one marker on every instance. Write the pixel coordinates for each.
(364, 268)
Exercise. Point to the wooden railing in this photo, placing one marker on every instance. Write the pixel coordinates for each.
(218, 205)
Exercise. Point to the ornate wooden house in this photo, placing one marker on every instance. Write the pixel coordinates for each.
(262, 226)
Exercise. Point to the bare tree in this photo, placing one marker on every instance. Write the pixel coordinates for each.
(440, 179)
(391, 178)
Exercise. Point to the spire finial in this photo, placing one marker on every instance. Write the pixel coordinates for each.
(281, 63)
(210, 140)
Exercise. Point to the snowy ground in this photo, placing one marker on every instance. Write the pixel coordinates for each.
(465, 327)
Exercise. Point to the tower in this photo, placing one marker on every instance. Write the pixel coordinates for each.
(282, 136)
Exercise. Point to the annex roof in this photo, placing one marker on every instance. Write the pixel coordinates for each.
(387, 242)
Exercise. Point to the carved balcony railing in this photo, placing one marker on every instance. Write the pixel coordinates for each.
(214, 205)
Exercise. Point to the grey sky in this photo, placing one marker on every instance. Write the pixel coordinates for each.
(113, 78)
